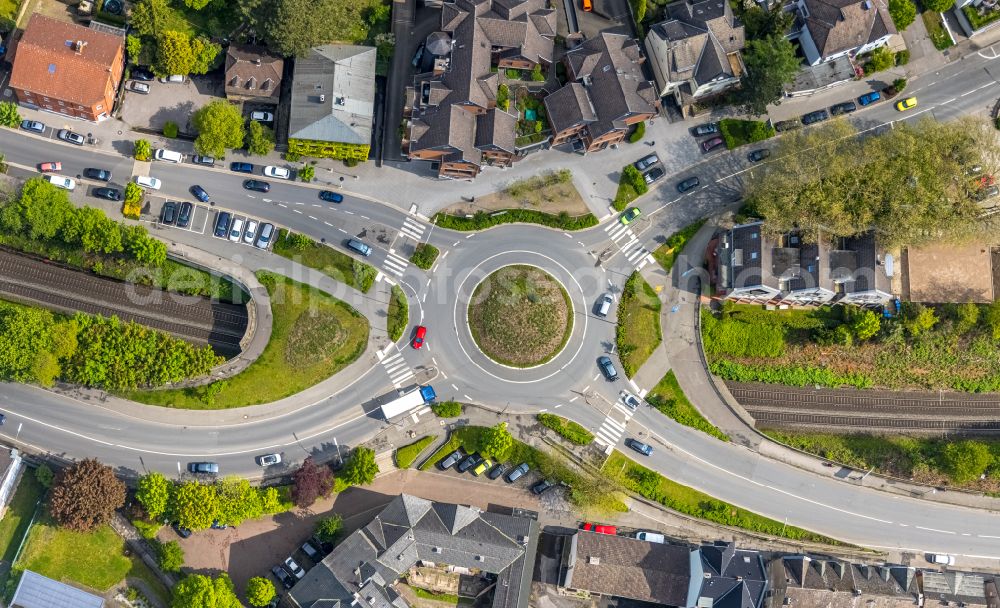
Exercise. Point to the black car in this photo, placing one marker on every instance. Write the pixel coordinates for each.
(331, 197)
(815, 117)
(470, 461)
(184, 214)
(542, 486)
(199, 193)
(787, 125)
(167, 216)
(110, 194)
(449, 461)
(142, 73)
(282, 575)
(497, 470)
(709, 128)
(688, 184)
(517, 472)
(607, 368)
(203, 467)
(222, 225)
(99, 174)
(843, 108)
(646, 162)
(200, 159)
(182, 532)
(653, 174)
(643, 448)
(256, 184)
(758, 155)
(241, 167)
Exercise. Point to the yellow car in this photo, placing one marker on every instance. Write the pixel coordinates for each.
(906, 104)
(483, 466)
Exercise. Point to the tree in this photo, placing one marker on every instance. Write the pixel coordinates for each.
(360, 468)
(329, 527)
(41, 210)
(196, 4)
(966, 317)
(503, 97)
(260, 591)
(292, 27)
(170, 556)
(199, 591)
(143, 151)
(271, 502)
(238, 501)
(882, 59)
(44, 475)
(179, 53)
(903, 13)
(146, 14)
(86, 495)
(220, 126)
(9, 116)
(536, 73)
(866, 325)
(760, 23)
(260, 139)
(307, 173)
(966, 460)
(771, 64)
(194, 505)
(632, 177)
(133, 46)
(497, 442)
(938, 6)
(153, 493)
(310, 482)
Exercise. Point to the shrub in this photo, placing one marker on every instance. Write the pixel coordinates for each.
(44, 475)
(9, 116)
(792, 375)
(881, 59)
(170, 129)
(408, 453)
(503, 97)
(260, 139)
(143, 151)
(903, 13)
(899, 84)
(146, 530)
(567, 429)
(329, 527)
(307, 173)
(483, 220)
(512, 73)
(903, 57)
(938, 6)
(536, 73)
(966, 460)
(424, 256)
(447, 409)
(170, 556)
(398, 313)
(638, 134)
(631, 185)
(364, 275)
(292, 157)
(260, 591)
(737, 132)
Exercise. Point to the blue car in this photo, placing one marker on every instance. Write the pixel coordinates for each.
(222, 225)
(199, 193)
(869, 98)
(331, 197)
(241, 167)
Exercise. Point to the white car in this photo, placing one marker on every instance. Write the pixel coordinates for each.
(250, 232)
(277, 172)
(236, 231)
(295, 568)
(262, 116)
(941, 558)
(630, 400)
(268, 460)
(148, 182)
(59, 181)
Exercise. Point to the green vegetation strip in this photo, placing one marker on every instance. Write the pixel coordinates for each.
(567, 429)
(449, 598)
(737, 132)
(631, 185)
(667, 253)
(447, 409)
(15, 521)
(424, 255)
(408, 453)
(680, 498)
(399, 313)
(979, 21)
(935, 28)
(334, 264)
(313, 336)
(671, 401)
(482, 220)
(638, 332)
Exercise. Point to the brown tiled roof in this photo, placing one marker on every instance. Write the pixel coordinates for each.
(840, 25)
(47, 64)
(244, 77)
(696, 41)
(495, 130)
(569, 107)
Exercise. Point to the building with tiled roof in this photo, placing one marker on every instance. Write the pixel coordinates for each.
(411, 532)
(67, 68)
(452, 111)
(611, 95)
(800, 581)
(253, 74)
(695, 52)
(829, 29)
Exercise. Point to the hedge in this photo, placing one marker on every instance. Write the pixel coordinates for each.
(638, 134)
(424, 256)
(482, 220)
(327, 149)
(567, 429)
(447, 409)
(791, 375)
(408, 453)
(737, 132)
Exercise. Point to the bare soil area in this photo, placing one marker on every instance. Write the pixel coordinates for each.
(550, 193)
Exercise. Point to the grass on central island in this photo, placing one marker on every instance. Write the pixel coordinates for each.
(335, 264)
(638, 332)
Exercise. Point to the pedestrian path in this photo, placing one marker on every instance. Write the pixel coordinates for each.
(612, 428)
(413, 229)
(622, 236)
(395, 263)
(398, 369)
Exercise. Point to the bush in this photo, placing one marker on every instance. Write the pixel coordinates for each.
(398, 313)
(170, 130)
(307, 173)
(44, 475)
(408, 453)
(328, 528)
(292, 157)
(938, 6)
(9, 115)
(503, 97)
(512, 73)
(364, 275)
(536, 73)
(260, 139)
(740, 132)
(792, 375)
(170, 556)
(143, 151)
(424, 256)
(899, 84)
(567, 429)
(903, 57)
(146, 530)
(631, 185)
(903, 13)
(638, 134)
(447, 409)
(483, 220)
(966, 460)
(881, 59)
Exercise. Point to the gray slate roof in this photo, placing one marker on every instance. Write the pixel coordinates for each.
(569, 107)
(333, 94)
(37, 591)
(245, 77)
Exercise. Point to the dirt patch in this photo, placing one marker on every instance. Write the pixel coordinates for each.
(520, 316)
(551, 192)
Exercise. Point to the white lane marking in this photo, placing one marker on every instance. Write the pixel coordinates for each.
(348, 212)
(944, 103)
(468, 398)
(934, 530)
(574, 399)
(283, 205)
(454, 387)
(297, 211)
(328, 223)
(312, 218)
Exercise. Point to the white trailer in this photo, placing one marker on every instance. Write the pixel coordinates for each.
(407, 402)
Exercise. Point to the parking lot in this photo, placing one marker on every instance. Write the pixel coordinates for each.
(174, 102)
(204, 220)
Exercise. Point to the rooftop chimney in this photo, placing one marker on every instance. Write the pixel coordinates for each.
(78, 47)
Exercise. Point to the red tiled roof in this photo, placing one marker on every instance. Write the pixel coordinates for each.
(46, 62)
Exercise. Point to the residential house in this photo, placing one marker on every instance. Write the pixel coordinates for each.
(11, 466)
(411, 537)
(67, 68)
(253, 74)
(37, 591)
(606, 95)
(964, 589)
(861, 274)
(695, 52)
(333, 102)
(453, 118)
(829, 29)
(800, 581)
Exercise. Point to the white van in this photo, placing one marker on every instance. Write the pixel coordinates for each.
(605, 306)
(148, 182)
(169, 156)
(651, 537)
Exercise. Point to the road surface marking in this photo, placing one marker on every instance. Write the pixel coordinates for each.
(342, 230)
(297, 211)
(348, 212)
(558, 405)
(412, 229)
(934, 530)
(327, 223)
(312, 218)
(454, 387)
(574, 398)
(468, 398)
(283, 205)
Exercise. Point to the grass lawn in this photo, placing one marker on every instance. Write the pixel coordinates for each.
(567, 429)
(409, 453)
(334, 264)
(935, 28)
(15, 523)
(94, 559)
(313, 336)
(627, 192)
(689, 501)
(399, 315)
(520, 316)
(667, 253)
(438, 597)
(214, 21)
(671, 401)
(638, 332)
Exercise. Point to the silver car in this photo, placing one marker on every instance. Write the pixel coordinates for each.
(71, 137)
(646, 162)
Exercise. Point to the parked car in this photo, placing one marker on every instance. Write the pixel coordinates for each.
(607, 368)
(497, 470)
(787, 125)
(222, 224)
(482, 467)
(203, 467)
(148, 182)
(843, 108)
(906, 104)
(182, 532)
(651, 537)
(33, 125)
(250, 232)
(470, 461)
(257, 185)
(688, 184)
(168, 213)
(264, 236)
(184, 214)
(758, 155)
(359, 247)
(709, 128)
(418, 337)
(449, 461)
(108, 194)
(869, 98)
(49, 167)
(143, 73)
(653, 174)
(261, 116)
(646, 162)
(311, 552)
(138, 87)
(331, 197)
(172, 79)
(71, 137)
(200, 159)
(216, 525)
(102, 175)
(294, 568)
(418, 55)
(815, 117)
(710, 144)
(643, 448)
(941, 558)
(199, 193)
(517, 472)
(241, 167)
(542, 486)
(236, 230)
(631, 401)
(268, 460)
(66, 183)
(600, 528)
(277, 172)
(630, 214)
(283, 576)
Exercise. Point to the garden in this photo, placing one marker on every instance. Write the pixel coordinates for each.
(638, 332)
(520, 316)
(532, 123)
(936, 30)
(980, 17)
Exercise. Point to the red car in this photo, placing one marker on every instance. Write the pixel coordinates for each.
(418, 338)
(49, 167)
(600, 529)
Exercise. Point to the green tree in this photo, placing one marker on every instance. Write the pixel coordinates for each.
(882, 59)
(329, 527)
(194, 505)
(503, 97)
(760, 23)
(9, 116)
(170, 556)
(43, 209)
(85, 495)
(966, 460)
(360, 468)
(220, 126)
(307, 173)
(153, 493)
(179, 53)
(260, 139)
(199, 591)
(966, 317)
(536, 73)
(903, 13)
(146, 14)
(771, 64)
(866, 325)
(632, 177)
(260, 591)
(270, 499)
(238, 501)
(497, 442)
(292, 27)
(204, 53)
(133, 46)
(142, 152)
(196, 4)
(938, 6)
(44, 475)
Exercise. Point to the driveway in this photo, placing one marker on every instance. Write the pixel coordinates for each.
(170, 102)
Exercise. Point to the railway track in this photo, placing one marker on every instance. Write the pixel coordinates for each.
(827, 421)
